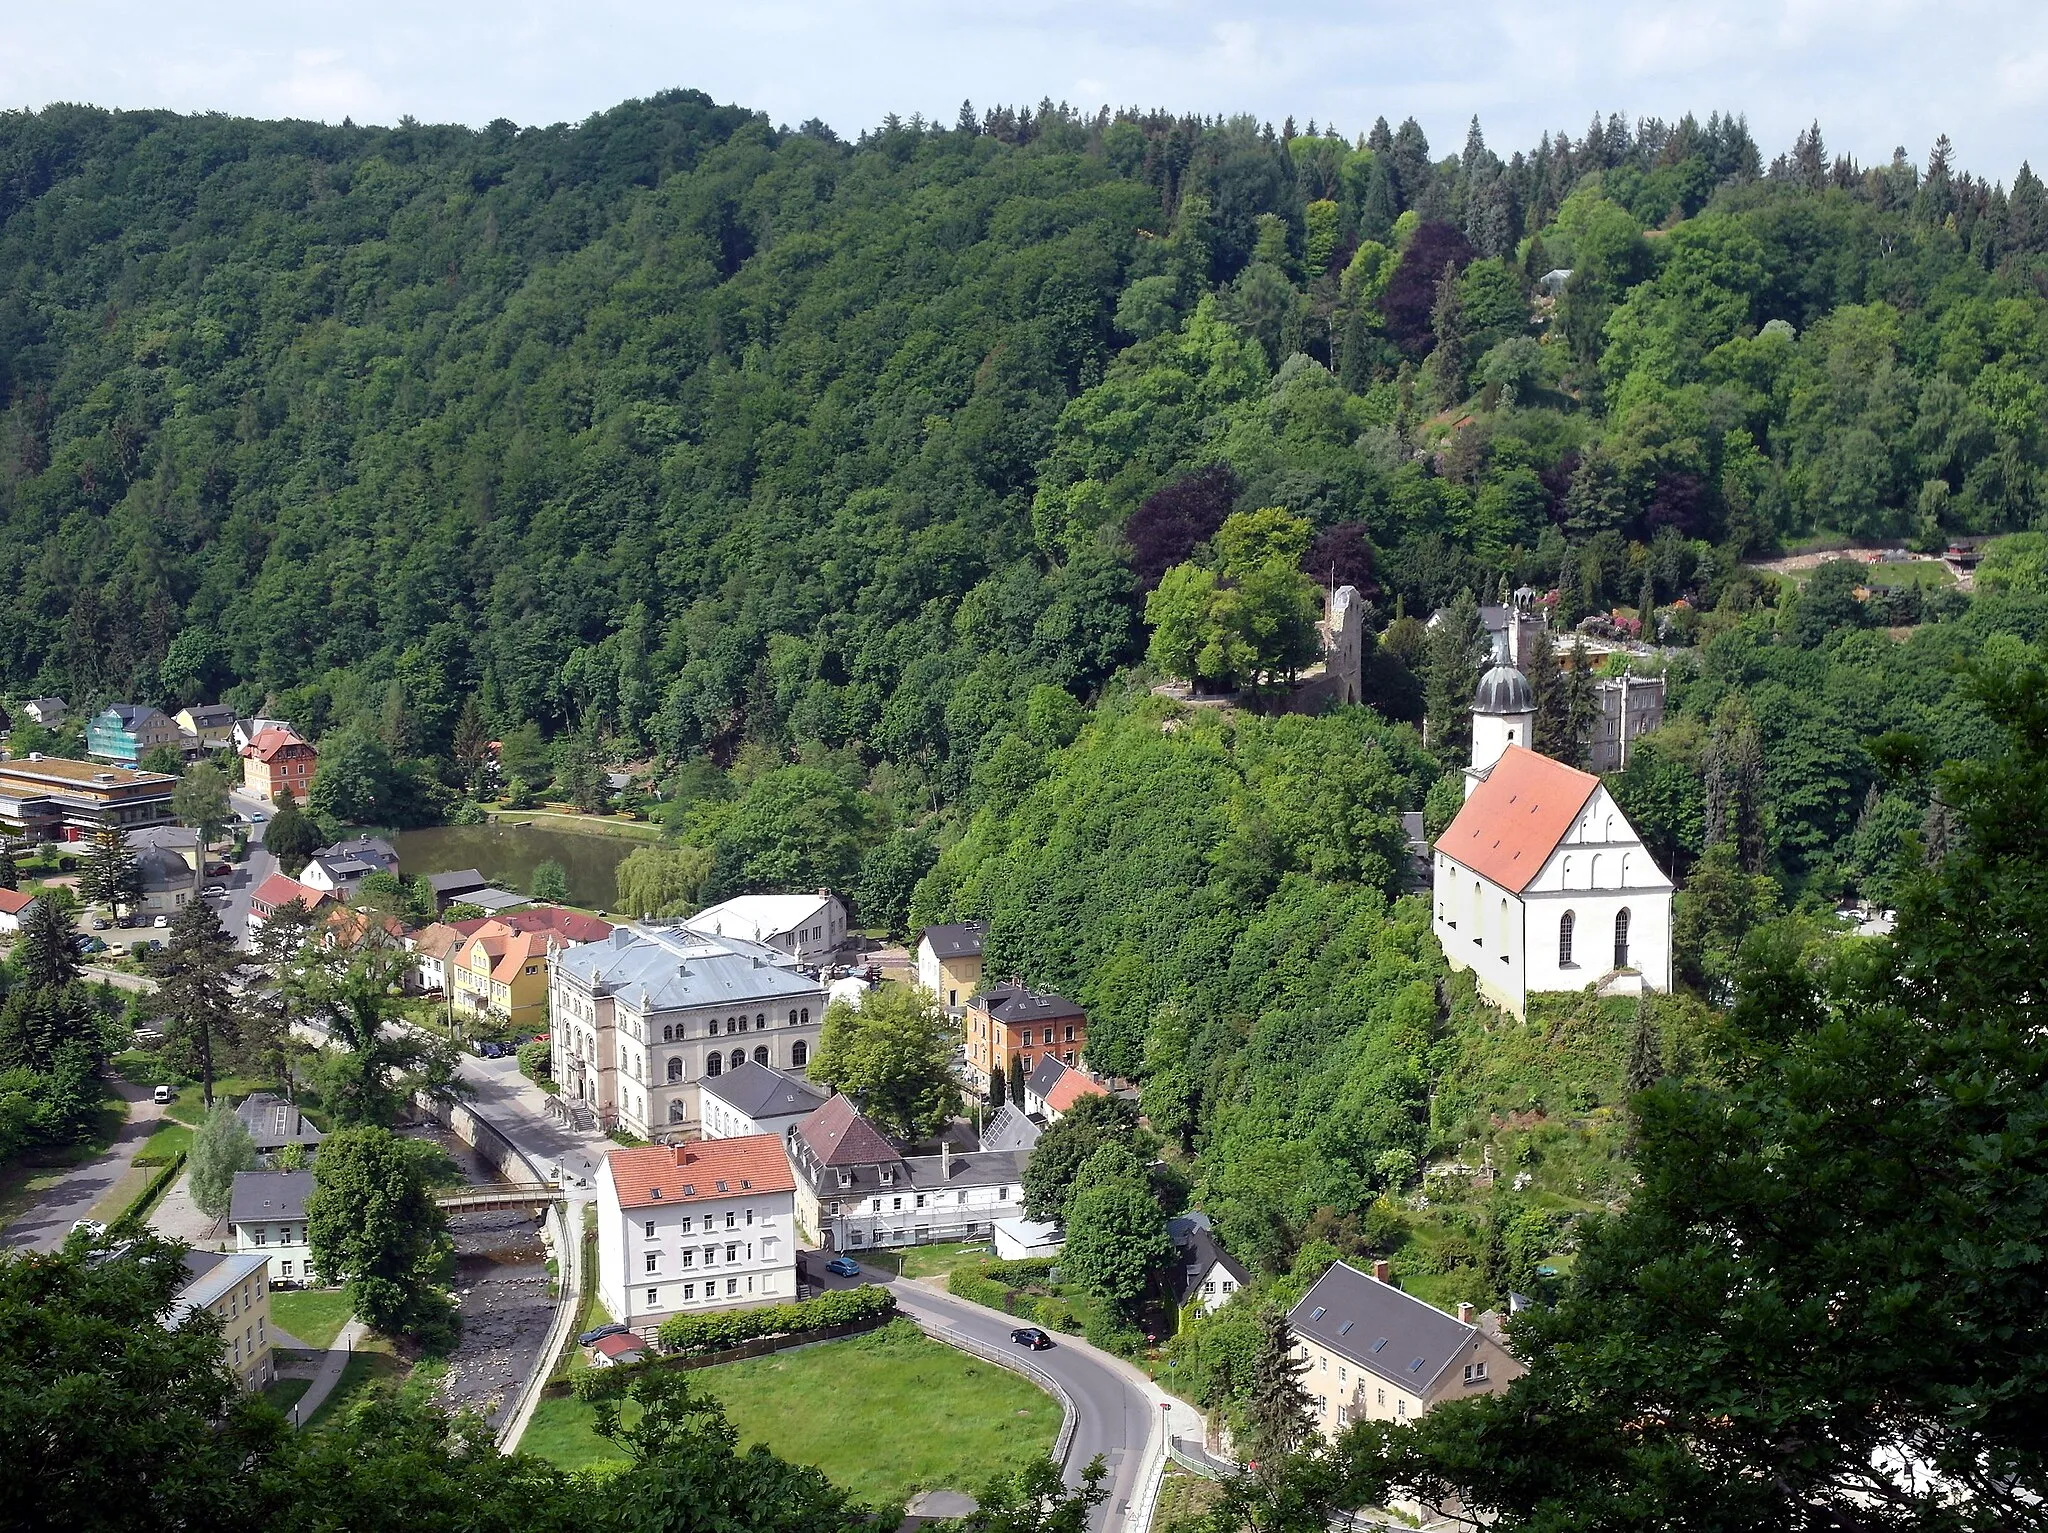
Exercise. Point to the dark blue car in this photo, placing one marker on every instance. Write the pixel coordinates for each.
(843, 1266)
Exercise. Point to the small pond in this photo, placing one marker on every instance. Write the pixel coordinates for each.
(508, 854)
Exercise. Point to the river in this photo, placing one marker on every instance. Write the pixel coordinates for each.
(508, 854)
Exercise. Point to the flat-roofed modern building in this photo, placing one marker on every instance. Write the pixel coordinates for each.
(49, 798)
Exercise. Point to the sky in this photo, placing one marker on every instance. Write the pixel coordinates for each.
(1875, 73)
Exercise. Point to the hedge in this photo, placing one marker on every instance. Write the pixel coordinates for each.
(996, 1284)
(132, 1218)
(689, 1335)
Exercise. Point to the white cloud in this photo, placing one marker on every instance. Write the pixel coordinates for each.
(1874, 72)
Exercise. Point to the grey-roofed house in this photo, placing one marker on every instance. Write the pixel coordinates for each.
(754, 1099)
(267, 1210)
(235, 1290)
(1011, 1128)
(1375, 1353)
(949, 961)
(1204, 1274)
(641, 1019)
(339, 869)
(168, 860)
(459, 884)
(855, 1190)
(274, 1123)
(492, 900)
(47, 711)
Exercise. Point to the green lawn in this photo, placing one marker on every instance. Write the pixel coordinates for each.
(285, 1393)
(1919, 572)
(883, 1415)
(937, 1261)
(594, 1313)
(314, 1315)
(372, 1369)
(169, 1138)
(190, 1105)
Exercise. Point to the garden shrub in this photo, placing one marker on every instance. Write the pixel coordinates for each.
(692, 1335)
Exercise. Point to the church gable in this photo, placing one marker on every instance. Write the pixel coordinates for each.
(1599, 850)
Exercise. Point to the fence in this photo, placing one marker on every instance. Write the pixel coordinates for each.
(1063, 1443)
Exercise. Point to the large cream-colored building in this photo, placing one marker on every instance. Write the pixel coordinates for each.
(1374, 1353)
(236, 1289)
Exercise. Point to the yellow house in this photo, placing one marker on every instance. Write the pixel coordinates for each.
(502, 973)
(236, 1289)
(949, 962)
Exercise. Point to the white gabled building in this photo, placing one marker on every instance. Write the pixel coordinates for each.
(1540, 883)
(754, 1099)
(640, 1020)
(808, 927)
(688, 1228)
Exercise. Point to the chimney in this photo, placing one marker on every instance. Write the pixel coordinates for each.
(945, 1160)
(1464, 1313)
(1382, 1273)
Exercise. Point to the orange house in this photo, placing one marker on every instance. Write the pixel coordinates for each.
(277, 759)
(1011, 1022)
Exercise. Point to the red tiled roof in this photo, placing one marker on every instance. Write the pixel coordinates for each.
(840, 1136)
(270, 742)
(619, 1344)
(13, 902)
(569, 925)
(685, 1173)
(519, 949)
(1070, 1088)
(1514, 820)
(279, 890)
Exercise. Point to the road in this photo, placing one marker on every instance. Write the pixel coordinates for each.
(251, 871)
(72, 1195)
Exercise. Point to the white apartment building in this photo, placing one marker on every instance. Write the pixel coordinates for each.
(267, 1210)
(692, 1227)
(643, 1018)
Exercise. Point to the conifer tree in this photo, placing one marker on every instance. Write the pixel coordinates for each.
(1278, 1419)
(195, 995)
(10, 875)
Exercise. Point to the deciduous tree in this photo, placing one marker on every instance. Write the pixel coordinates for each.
(374, 1225)
(894, 1056)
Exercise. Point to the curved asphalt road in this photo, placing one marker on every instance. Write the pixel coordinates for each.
(1116, 1410)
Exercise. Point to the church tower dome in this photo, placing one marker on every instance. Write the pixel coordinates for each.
(1503, 714)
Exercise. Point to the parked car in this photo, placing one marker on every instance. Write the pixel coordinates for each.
(90, 944)
(843, 1266)
(90, 1227)
(1031, 1336)
(257, 817)
(99, 923)
(221, 870)
(214, 892)
(163, 921)
(128, 923)
(599, 1333)
(163, 1096)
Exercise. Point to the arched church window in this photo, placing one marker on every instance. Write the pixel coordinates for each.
(799, 1054)
(1621, 938)
(675, 1071)
(1565, 926)
(739, 1057)
(1478, 915)
(713, 1065)
(1593, 874)
(761, 1055)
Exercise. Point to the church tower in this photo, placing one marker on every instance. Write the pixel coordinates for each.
(1503, 714)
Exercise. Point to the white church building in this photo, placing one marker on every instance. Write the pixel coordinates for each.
(1540, 883)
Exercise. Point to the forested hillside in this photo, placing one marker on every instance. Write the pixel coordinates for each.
(838, 482)
(680, 428)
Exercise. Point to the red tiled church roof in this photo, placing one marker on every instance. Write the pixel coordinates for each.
(1515, 818)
